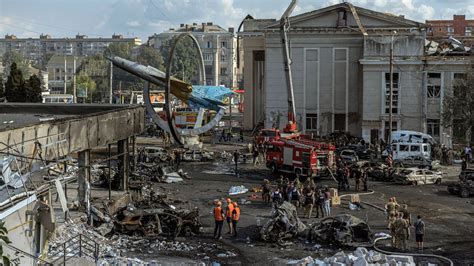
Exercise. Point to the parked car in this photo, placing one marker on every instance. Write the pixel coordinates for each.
(465, 186)
(416, 176)
(416, 161)
(349, 156)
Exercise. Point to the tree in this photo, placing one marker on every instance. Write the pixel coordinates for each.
(458, 107)
(123, 50)
(22, 64)
(185, 62)
(33, 90)
(15, 86)
(2, 88)
(149, 56)
(86, 86)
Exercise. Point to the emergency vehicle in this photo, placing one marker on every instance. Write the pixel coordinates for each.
(326, 154)
(292, 157)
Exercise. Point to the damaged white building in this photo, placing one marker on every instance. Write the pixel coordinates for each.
(340, 68)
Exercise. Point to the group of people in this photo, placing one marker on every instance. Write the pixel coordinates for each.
(399, 223)
(231, 213)
(344, 172)
(306, 195)
(226, 135)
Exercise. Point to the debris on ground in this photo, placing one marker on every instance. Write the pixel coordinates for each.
(341, 230)
(236, 190)
(360, 256)
(284, 224)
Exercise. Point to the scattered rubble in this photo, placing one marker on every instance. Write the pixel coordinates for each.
(284, 224)
(236, 190)
(341, 230)
(359, 257)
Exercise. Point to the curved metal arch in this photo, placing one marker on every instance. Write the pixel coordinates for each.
(202, 76)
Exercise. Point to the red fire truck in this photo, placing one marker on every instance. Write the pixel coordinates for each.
(326, 155)
(292, 157)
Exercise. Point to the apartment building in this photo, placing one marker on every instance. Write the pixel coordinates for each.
(459, 27)
(218, 47)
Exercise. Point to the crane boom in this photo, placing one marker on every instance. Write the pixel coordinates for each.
(284, 29)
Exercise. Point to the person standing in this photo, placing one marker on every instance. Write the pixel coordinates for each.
(327, 202)
(400, 232)
(277, 197)
(357, 177)
(235, 217)
(236, 159)
(365, 179)
(241, 135)
(319, 203)
(419, 232)
(228, 214)
(294, 196)
(219, 220)
(463, 164)
(266, 191)
(255, 156)
(308, 201)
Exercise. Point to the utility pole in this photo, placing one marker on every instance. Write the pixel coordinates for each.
(111, 77)
(65, 75)
(390, 118)
(74, 81)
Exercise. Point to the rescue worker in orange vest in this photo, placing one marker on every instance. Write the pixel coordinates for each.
(235, 217)
(219, 219)
(228, 214)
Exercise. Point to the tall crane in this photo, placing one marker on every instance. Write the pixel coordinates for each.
(291, 127)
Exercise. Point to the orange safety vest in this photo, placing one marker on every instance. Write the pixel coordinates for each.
(229, 209)
(236, 214)
(218, 214)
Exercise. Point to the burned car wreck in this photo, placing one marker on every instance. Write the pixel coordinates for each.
(341, 230)
(284, 224)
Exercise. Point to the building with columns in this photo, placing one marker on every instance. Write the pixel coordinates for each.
(218, 47)
(341, 76)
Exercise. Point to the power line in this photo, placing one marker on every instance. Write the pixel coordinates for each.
(14, 26)
(161, 12)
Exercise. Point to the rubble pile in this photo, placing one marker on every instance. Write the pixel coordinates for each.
(360, 256)
(284, 224)
(152, 246)
(341, 230)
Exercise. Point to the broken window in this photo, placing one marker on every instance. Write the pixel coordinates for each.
(403, 147)
(311, 121)
(450, 29)
(415, 148)
(432, 126)
(433, 87)
(394, 93)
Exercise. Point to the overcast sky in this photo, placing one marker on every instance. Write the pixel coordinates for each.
(142, 18)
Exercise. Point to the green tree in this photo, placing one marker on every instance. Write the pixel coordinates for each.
(149, 56)
(33, 90)
(15, 86)
(86, 86)
(123, 50)
(185, 62)
(4, 240)
(22, 63)
(458, 107)
(2, 88)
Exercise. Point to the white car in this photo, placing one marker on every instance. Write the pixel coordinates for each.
(416, 176)
(198, 155)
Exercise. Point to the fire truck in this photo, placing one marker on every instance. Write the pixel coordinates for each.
(326, 154)
(292, 157)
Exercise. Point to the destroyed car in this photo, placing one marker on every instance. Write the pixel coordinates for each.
(342, 230)
(465, 186)
(155, 154)
(416, 161)
(198, 156)
(284, 224)
(349, 156)
(416, 176)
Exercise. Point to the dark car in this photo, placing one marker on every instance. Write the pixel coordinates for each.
(465, 186)
(414, 161)
(362, 151)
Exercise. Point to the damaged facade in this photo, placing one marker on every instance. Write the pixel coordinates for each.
(340, 75)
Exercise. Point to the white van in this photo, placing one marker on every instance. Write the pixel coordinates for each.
(411, 136)
(402, 150)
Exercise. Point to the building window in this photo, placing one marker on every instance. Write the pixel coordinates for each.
(223, 71)
(434, 85)
(208, 44)
(468, 31)
(209, 82)
(57, 70)
(311, 121)
(432, 127)
(394, 93)
(450, 30)
(208, 57)
(208, 70)
(223, 58)
(224, 44)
